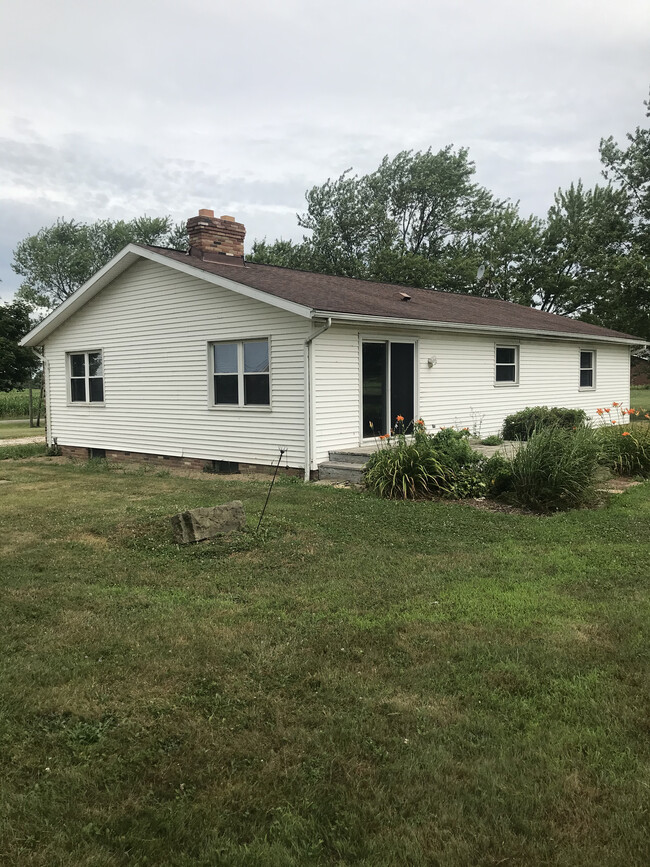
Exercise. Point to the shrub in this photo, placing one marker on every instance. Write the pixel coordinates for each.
(626, 452)
(520, 425)
(492, 441)
(461, 463)
(497, 474)
(555, 470)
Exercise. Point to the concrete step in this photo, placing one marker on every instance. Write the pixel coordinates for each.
(351, 457)
(340, 470)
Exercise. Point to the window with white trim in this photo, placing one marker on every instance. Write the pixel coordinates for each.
(241, 373)
(587, 368)
(506, 366)
(86, 373)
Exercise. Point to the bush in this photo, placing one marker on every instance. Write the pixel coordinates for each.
(492, 441)
(497, 474)
(626, 452)
(461, 463)
(555, 470)
(520, 425)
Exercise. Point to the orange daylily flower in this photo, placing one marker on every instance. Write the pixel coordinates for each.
(647, 415)
(615, 404)
(400, 418)
(606, 409)
(599, 411)
(626, 433)
(613, 421)
(631, 409)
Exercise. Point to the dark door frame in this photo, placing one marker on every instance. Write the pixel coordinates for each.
(365, 436)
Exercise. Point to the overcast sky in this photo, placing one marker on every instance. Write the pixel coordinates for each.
(115, 109)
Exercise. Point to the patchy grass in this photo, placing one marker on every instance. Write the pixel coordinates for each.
(26, 450)
(363, 682)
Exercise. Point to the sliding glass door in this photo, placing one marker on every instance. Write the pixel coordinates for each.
(388, 385)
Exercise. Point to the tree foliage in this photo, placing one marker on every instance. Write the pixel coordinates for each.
(17, 363)
(420, 219)
(59, 259)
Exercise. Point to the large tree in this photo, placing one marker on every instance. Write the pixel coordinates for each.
(58, 259)
(17, 364)
(415, 220)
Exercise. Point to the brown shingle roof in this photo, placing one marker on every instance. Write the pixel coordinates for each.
(324, 292)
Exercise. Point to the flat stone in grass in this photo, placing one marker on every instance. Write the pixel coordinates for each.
(199, 524)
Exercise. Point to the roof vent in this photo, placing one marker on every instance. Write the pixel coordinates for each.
(404, 296)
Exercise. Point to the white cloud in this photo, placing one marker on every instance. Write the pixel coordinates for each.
(123, 108)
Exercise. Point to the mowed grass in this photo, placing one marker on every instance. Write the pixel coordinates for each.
(17, 428)
(640, 397)
(362, 682)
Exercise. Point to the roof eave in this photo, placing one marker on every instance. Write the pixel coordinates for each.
(464, 327)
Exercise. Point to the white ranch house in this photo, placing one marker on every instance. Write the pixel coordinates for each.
(204, 358)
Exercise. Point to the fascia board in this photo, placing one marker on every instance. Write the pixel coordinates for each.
(472, 329)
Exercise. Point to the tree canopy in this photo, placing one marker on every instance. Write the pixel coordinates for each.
(421, 219)
(59, 259)
(17, 363)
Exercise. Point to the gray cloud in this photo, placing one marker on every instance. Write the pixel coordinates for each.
(131, 107)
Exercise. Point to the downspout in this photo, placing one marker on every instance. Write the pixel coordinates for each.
(308, 395)
(46, 377)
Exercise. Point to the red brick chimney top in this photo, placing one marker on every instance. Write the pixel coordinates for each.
(216, 238)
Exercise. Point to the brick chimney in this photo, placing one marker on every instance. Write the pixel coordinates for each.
(214, 237)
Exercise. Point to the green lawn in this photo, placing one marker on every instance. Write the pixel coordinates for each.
(363, 682)
(640, 397)
(15, 429)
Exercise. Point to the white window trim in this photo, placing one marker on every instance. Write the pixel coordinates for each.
(68, 367)
(516, 348)
(241, 406)
(591, 387)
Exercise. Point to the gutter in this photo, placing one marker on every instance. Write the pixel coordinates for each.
(46, 374)
(369, 321)
(309, 403)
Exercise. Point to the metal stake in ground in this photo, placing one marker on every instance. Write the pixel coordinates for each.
(277, 467)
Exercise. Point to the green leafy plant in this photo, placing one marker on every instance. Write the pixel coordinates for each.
(520, 425)
(497, 474)
(556, 469)
(493, 440)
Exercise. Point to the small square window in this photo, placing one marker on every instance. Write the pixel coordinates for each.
(506, 364)
(241, 373)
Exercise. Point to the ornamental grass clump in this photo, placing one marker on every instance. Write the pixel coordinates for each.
(556, 469)
(625, 452)
(406, 467)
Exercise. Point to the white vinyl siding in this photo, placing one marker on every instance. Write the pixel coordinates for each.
(156, 327)
(458, 388)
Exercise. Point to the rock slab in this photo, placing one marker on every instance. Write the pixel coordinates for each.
(199, 524)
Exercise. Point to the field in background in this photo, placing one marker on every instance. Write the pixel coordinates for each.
(15, 404)
(363, 681)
